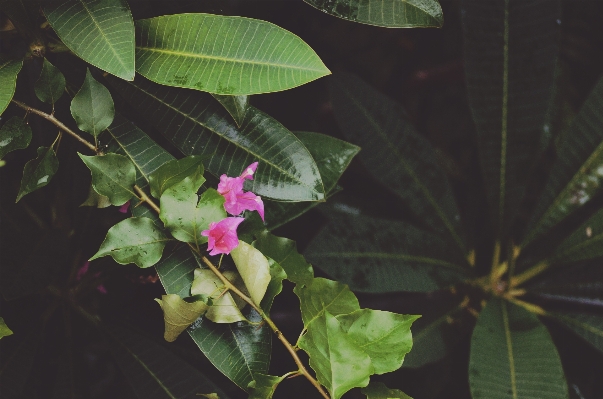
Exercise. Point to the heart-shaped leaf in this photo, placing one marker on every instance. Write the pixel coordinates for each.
(253, 268)
(180, 313)
(92, 107)
(174, 172)
(50, 85)
(224, 308)
(15, 134)
(9, 69)
(38, 172)
(325, 295)
(113, 176)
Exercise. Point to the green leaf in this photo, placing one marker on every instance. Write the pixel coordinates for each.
(339, 363)
(384, 336)
(38, 172)
(15, 134)
(224, 308)
(235, 105)
(325, 295)
(373, 255)
(378, 390)
(284, 252)
(394, 153)
(198, 125)
(8, 80)
(513, 356)
(263, 386)
(134, 240)
(587, 326)
(387, 13)
(510, 58)
(584, 243)
(174, 172)
(51, 84)
(185, 215)
(254, 269)
(4, 330)
(153, 371)
(277, 275)
(100, 32)
(577, 175)
(113, 176)
(179, 313)
(223, 55)
(96, 200)
(92, 107)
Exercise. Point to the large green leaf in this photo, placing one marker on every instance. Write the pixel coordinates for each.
(15, 134)
(100, 32)
(223, 55)
(373, 255)
(235, 105)
(9, 69)
(113, 176)
(394, 153)
(51, 83)
(153, 371)
(38, 172)
(325, 295)
(584, 243)
(92, 107)
(174, 172)
(577, 175)
(588, 326)
(253, 268)
(198, 125)
(510, 58)
(513, 356)
(387, 13)
(238, 350)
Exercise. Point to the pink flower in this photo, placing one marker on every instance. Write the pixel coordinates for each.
(83, 270)
(222, 236)
(237, 200)
(124, 207)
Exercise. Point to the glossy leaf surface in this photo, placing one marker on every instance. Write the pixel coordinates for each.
(325, 295)
(15, 134)
(373, 255)
(178, 314)
(100, 32)
(588, 326)
(513, 356)
(277, 275)
(174, 172)
(113, 176)
(50, 85)
(253, 268)
(378, 390)
(264, 386)
(387, 13)
(198, 125)
(38, 172)
(223, 54)
(9, 69)
(584, 243)
(134, 240)
(92, 107)
(235, 105)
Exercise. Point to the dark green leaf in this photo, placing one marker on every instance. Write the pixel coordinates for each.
(513, 356)
(197, 125)
(510, 59)
(223, 54)
(175, 171)
(277, 275)
(588, 326)
(113, 176)
(134, 240)
(155, 372)
(253, 268)
(92, 107)
(100, 32)
(264, 386)
(584, 243)
(378, 390)
(394, 153)
(178, 314)
(38, 172)
(235, 105)
(8, 80)
(384, 336)
(4, 330)
(224, 307)
(284, 252)
(15, 134)
(387, 13)
(50, 85)
(373, 255)
(325, 295)
(96, 200)
(339, 363)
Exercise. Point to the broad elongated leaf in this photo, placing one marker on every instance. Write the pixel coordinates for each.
(4, 330)
(339, 363)
(373, 255)
(134, 240)
(51, 83)
(387, 13)
(378, 390)
(235, 105)
(223, 54)
(580, 284)
(100, 32)
(513, 356)
(325, 295)
(253, 268)
(264, 386)
(584, 243)
(15, 134)
(224, 308)
(9, 69)
(510, 58)
(113, 176)
(178, 313)
(38, 172)
(394, 153)
(577, 175)
(588, 326)
(174, 172)
(155, 372)
(197, 125)
(92, 107)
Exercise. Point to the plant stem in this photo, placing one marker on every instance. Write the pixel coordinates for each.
(529, 274)
(58, 123)
(230, 286)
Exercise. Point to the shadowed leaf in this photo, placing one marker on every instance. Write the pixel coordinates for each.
(588, 326)
(235, 105)
(378, 390)
(113, 176)
(50, 85)
(92, 107)
(15, 134)
(8, 80)
(38, 172)
(174, 172)
(263, 386)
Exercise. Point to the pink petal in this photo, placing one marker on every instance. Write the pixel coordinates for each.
(101, 288)
(250, 201)
(82, 271)
(230, 187)
(249, 171)
(124, 207)
(222, 236)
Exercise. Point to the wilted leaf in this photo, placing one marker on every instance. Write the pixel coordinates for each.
(4, 330)
(15, 134)
(38, 172)
(8, 80)
(224, 308)
(174, 172)
(179, 313)
(253, 268)
(235, 105)
(263, 386)
(92, 107)
(378, 390)
(113, 176)
(325, 295)
(50, 85)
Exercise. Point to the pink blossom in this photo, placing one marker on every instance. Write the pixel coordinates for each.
(237, 200)
(246, 201)
(83, 270)
(222, 236)
(124, 207)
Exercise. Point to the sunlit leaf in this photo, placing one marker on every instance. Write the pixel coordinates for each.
(9, 69)
(113, 176)
(4, 330)
(387, 13)
(585, 243)
(92, 107)
(253, 268)
(223, 54)
(174, 172)
(588, 326)
(38, 172)
(277, 275)
(134, 240)
(378, 390)
(235, 105)
(513, 356)
(100, 32)
(263, 386)
(15, 134)
(50, 85)
(224, 308)
(179, 313)
(325, 295)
